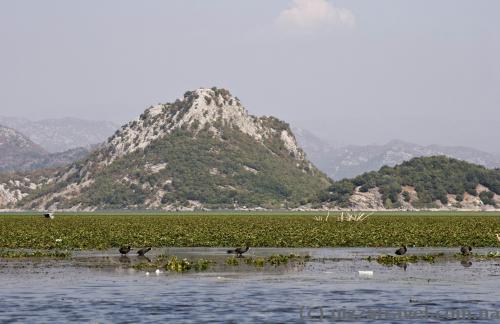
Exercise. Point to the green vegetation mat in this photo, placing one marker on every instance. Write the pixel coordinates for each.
(99, 231)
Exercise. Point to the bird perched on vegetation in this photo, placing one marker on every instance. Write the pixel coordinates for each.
(465, 250)
(124, 250)
(239, 251)
(142, 252)
(498, 237)
(402, 250)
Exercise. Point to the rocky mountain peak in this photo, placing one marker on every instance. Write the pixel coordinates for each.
(204, 149)
(209, 109)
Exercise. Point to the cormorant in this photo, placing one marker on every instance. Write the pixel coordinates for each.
(465, 250)
(402, 250)
(239, 251)
(142, 252)
(124, 250)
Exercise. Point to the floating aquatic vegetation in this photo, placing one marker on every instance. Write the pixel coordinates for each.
(174, 264)
(94, 231)
(202, 264)
(259, 262)
(144, 266)
(232, 261)
(178, 265)
(402, 259)
(275, 259)
(162, 257)
(493, 254)
(489, 255)
(34, 254)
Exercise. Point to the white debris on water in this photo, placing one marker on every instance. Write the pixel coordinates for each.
(365, 274)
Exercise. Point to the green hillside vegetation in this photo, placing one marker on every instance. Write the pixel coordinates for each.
(432, 177)
(217, 173)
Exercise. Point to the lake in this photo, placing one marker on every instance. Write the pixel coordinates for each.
(101, 287)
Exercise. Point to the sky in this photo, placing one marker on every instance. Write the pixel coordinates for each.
(352, 72)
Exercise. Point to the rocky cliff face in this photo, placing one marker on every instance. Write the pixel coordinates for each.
(202, 150)
(14, 187)
(372, 200)
(202, 109)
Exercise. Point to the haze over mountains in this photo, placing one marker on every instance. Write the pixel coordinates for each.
(348, 161)
(19, 153)
(58, 135)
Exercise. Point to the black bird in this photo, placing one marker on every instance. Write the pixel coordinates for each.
(402, 250)
(465, 250)
(239, 251)
(142, 252)
(124, 250)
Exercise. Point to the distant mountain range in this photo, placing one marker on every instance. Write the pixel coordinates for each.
(59, 135)
(206, 151)
(352, 160)
(19, 153)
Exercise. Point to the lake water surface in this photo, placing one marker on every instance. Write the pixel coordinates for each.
(100, 287)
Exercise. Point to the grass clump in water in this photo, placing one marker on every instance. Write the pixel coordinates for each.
(178, 265)
(277, 259)
(34, 254)
(174, 264)
(232, 261)
(258, 262)
(489, 255)
(392, 260)
(202, 264)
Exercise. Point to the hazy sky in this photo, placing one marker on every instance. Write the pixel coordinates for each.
(355, 72)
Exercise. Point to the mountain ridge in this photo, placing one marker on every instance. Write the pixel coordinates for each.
(201, 150)
(62, 134)
(348, 161)
(436, 182)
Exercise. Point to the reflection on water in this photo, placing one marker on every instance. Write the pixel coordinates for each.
(466, 263)
(403, 265)
(101, 287)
